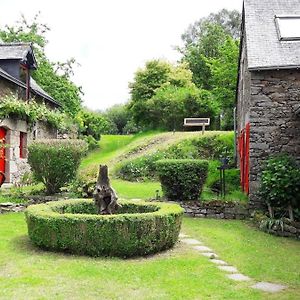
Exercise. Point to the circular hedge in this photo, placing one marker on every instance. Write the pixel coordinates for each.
(73, 226)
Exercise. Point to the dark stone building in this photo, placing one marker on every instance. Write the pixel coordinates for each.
(268, 94)
(16, 62)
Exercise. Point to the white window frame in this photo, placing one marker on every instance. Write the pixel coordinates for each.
(286, 38)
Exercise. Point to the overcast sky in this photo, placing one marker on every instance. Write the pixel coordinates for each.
(111, 39)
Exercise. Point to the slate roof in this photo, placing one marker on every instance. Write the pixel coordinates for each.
(14, 50)
(19, 51)
(264, 49)
(35, 88)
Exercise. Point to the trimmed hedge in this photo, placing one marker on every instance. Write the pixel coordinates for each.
(55, 162)
(182, 179)
(73, 226)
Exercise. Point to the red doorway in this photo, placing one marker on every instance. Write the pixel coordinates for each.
(244, 147)
(2, 154)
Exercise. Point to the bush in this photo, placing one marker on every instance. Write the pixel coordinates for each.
(280, 183)
(182, 179)
(84, 184)
(140, 168)
(91, 142)
(140, 228)
(55, 162)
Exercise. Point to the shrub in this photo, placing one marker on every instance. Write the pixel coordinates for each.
(140, 228)
(55, 162)
(280, 183)
(140, 168)
(84, 184)
(91, 142)
(182, 179)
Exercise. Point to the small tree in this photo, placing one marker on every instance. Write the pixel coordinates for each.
(280, 184)
(55, 162)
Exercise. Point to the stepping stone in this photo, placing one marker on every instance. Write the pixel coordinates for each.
(219, 262)
(269, 287)
(229, 269)
(210, 255)
(182, 235)
(202, 248)
(238, 277)
(191, 242)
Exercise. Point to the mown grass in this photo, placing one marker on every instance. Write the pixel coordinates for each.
(259, 255)
(111, 146)
(27, 272)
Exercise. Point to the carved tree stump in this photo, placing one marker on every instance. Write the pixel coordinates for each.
(104, 195)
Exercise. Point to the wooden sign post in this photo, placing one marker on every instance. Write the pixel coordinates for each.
(197, 122)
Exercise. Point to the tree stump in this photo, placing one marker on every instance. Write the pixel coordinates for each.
(104, 195)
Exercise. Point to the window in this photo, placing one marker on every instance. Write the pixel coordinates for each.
(23, 145)
(288, 27)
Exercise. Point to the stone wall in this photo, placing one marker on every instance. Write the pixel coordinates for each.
(275, 126)
(217, 210)
(16, 166)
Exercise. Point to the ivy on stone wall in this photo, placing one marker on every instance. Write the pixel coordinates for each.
(11, 106)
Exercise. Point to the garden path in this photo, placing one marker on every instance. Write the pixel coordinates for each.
(232, 272)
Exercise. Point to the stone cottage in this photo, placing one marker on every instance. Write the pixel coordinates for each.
(16, 62)
(268, 93)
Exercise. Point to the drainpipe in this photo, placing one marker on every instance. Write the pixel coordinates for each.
(27, 83)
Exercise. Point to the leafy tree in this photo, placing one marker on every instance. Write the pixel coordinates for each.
(213, 36)
(119, 115)
(203, 40)
(171, 104)
(95, 124)
(229, 20)
(148, 81)
(54, 78)
(223, 79)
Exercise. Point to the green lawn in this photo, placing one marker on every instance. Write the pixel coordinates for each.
(29, 273)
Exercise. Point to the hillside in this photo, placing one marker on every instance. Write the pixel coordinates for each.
(116, 149)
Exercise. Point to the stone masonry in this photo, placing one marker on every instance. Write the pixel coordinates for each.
(274, 124)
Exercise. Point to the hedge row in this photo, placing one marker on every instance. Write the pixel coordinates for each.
(72, 226)
(182, 179)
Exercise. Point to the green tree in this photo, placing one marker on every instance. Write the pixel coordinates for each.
(223, 79)
(119, 115)
(155, 76)
(203, 40)
(53, 77)
(95, 124)
(170, 105)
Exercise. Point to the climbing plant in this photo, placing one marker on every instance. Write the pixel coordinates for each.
(32, 111)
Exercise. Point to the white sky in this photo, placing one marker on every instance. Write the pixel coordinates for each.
(111, 39)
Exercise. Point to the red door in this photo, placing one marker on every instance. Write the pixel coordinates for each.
(2, 154)
(244, 147)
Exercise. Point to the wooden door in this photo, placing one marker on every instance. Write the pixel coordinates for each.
(244, 149)
(2, 153)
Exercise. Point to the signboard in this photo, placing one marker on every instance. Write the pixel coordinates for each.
(196, 121)
(201, 122)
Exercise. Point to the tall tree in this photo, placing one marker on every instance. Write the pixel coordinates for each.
(53, 77)
(203, 40)
(147, 81)
(223, 79)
